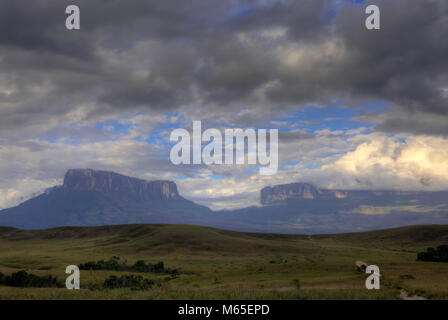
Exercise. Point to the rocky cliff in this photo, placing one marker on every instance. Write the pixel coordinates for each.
(296, 191)
(104, 181)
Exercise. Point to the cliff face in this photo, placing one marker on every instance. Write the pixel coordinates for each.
(297, 191)
(302, 191)
(104, 181)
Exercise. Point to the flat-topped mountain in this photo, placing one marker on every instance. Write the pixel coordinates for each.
(303, 191)
(105, 181)
(91, 198)
(94, 198)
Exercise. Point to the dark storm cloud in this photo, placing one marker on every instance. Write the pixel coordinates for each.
(405, 62)
(402, 120)
(263, 55)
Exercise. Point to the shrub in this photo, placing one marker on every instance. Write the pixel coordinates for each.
(128, 281)
(24, 279)
(435, 255)
(140, 266)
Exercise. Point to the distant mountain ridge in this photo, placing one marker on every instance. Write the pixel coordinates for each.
(94, 198)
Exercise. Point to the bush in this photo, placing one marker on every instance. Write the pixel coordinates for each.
(111, 264)
(140, 266)
(24, 279)
(435, 255)
(128, 281)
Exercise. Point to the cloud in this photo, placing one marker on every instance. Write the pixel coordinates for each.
(403, 120)
(329, 159)
(418, 163)
(377, 161)
(35, 165)
(150, 66)
(265, 56)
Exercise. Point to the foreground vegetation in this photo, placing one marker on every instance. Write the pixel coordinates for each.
(436, 255)
(114, 263)
(217, 264)
(25, 280)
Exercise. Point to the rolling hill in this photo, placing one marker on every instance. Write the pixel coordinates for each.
(220, 264)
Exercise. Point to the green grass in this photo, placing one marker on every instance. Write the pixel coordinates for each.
(218, 264)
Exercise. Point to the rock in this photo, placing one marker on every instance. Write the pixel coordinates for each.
(361, 264)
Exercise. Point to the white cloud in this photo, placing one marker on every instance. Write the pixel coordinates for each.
(418, 162)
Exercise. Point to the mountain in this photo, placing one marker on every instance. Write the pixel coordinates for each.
(93, 198)
(304, 208)
(301, 191)
(89, 198)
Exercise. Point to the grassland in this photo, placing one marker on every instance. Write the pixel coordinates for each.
(218, 264)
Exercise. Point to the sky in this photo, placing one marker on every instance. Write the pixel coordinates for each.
(355, 108)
